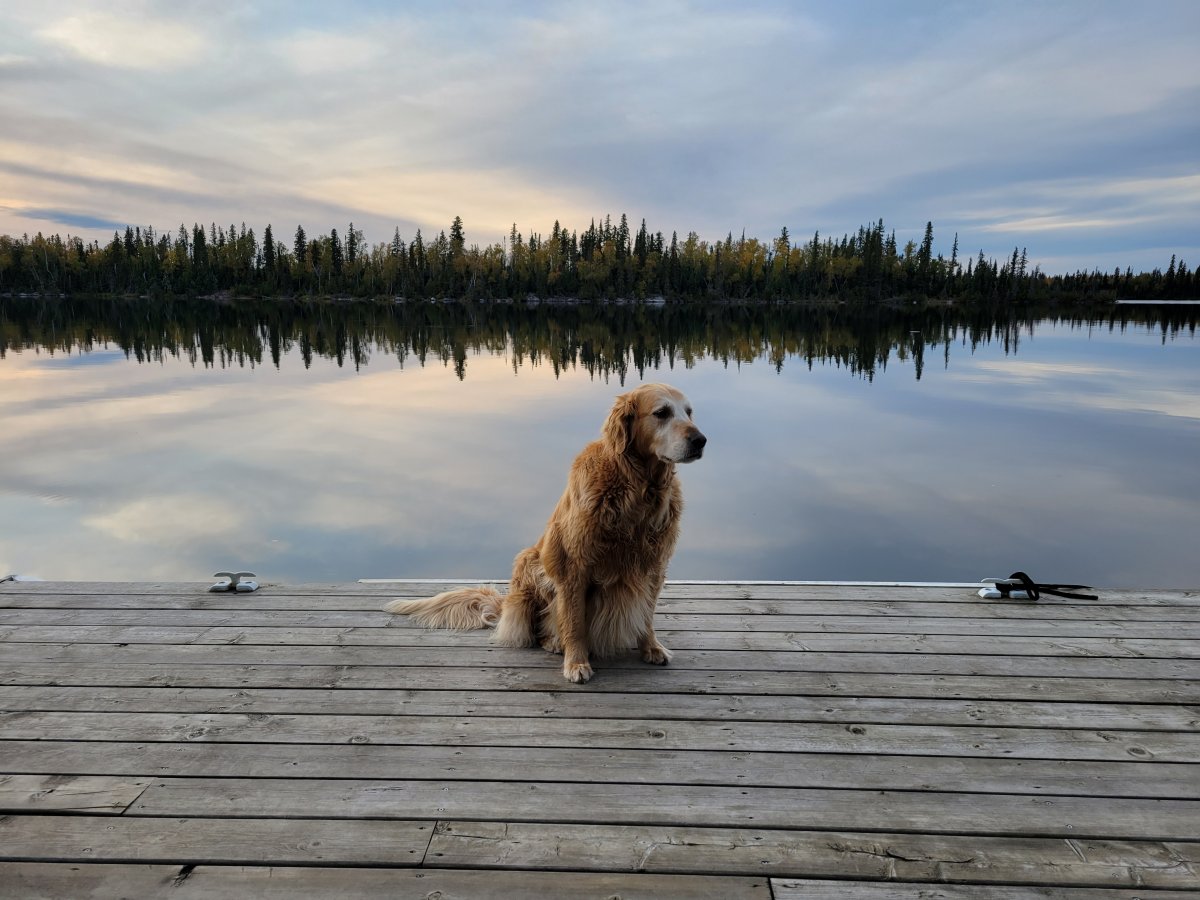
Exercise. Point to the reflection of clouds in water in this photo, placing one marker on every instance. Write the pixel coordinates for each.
(1038, 372)
(184, 516)
(75, 360)
(208, 468)
(168, 471)
(947, 478)
(1113, 388)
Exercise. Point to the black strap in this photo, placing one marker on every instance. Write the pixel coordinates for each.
(1035, 590)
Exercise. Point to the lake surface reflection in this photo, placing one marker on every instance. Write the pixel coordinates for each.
(324, 442)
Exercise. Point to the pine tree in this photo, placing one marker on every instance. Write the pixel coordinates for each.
(268, 251)
(458, 240)
(335, 252)
(641, 244)
(199, 250)
(925, 257)
(300, 247)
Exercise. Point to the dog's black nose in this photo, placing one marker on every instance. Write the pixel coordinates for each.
(697, 442)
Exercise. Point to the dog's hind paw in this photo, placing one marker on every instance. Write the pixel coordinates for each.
(577, 673)
(656, 655)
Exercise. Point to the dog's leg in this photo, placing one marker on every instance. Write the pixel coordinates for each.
(571, 608)
(550, 643)
(514, 628)
(519, 613)
(652, 651)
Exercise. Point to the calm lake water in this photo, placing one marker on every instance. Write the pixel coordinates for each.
(335, 442)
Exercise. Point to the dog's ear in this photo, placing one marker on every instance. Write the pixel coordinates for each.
(618, 428)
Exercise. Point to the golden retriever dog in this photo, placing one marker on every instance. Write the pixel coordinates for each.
(589, 586)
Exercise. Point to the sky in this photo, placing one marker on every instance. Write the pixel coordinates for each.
(1068, 128)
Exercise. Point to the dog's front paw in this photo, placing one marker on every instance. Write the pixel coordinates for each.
(550, 644)
(656, 654)
(577, 673)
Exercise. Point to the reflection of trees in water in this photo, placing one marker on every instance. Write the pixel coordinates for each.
(605, 340)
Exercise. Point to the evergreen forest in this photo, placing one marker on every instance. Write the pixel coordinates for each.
(607, 261)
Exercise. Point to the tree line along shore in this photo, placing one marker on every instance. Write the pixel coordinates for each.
(607, 261)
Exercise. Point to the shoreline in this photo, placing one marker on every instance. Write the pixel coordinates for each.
(653, 301)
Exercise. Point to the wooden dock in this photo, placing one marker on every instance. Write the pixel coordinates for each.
(807, 741)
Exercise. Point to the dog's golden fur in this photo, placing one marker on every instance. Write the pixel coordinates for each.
(589, 586)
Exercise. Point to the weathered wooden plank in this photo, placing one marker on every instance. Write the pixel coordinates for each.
(805, 621)
(432, 884)
(894, 857)
(776, 737)
(54, 881)
(343, 624)
(75, 793)
(379, 636)
(713, 590)
(954, 594)
(488, 655)
(813, 889)
(1178, 781)
(196, 841)
(968, 608)
(192, 588)
(632, 680)
(976, 609)
(555, 705)
(249, 619)
(593, 804)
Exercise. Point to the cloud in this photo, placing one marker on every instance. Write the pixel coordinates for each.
(1090, 203)
(316, 53)
(139, 41)
(71, 219)
(1058, 223)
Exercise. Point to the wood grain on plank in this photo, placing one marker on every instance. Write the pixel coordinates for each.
(816, 854)
(806, 809)
(1175, 781)
(68, 792)
(632, 680)
(1023, 743)
(616, 705)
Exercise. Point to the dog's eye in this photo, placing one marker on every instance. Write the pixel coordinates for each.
(689, 412)
(664, 413)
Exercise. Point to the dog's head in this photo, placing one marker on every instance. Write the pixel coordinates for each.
(654, 422)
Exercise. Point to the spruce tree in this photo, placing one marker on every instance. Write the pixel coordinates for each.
(335, 252)
(268, 251)
(300, 247)
(457, 238)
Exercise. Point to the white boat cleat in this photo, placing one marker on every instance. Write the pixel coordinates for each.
(232, 581)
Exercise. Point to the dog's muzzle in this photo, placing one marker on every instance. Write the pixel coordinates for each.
(695, 446)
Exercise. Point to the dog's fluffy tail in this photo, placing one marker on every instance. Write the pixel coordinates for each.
(459, 610)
